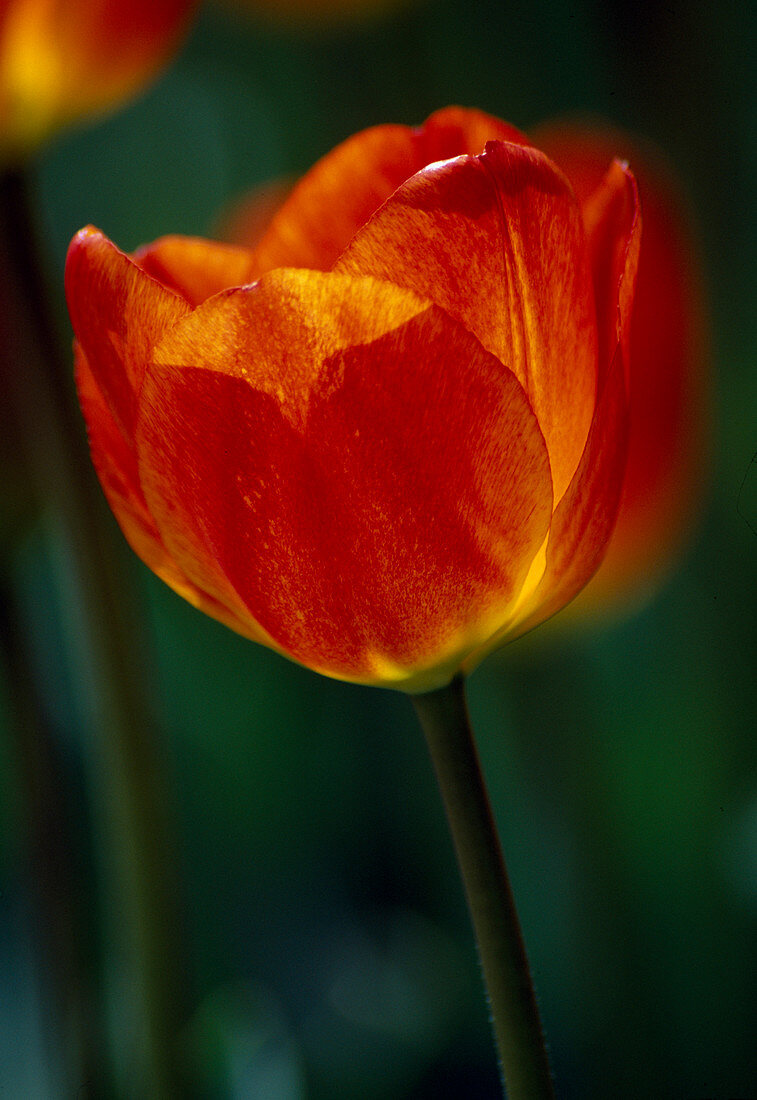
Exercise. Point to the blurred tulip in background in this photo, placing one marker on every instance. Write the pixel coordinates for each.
(62, 61)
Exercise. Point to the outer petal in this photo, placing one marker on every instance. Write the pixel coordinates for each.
(584, 519)
(195, 268)
(116, 467)
(338, 195)
(459, 131)
(370, 480)
(498, 242)
(613, 230)
(668, 351)
(118, 313)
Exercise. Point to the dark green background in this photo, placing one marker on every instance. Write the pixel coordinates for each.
(331, 956)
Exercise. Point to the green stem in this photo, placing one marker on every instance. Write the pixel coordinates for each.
(515, 1016)
(127, 773)
(59, 918)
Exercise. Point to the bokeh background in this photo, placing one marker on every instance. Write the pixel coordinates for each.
(329, 955)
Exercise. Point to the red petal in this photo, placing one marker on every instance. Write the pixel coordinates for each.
(115, 462)
(613, 230)
(370, 480)
(195, 268)
(668, 352)
(497, 241)
(335, 198)
(118, 313)
(339, 194)
(585, 517)
(458, 131)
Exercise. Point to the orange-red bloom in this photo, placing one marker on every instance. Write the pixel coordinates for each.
(62, 60)
(393, 434)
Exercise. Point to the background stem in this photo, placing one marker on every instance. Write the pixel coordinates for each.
(515, 1016)
(137, 853)
(58, 911)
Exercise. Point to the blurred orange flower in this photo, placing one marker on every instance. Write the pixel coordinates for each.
(668, 358)
(392, 435)
(63, 60)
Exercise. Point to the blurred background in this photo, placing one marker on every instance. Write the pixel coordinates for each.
(328, 954)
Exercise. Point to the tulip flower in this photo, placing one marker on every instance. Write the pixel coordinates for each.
(65, 60)
(668, 343)
(392, 435)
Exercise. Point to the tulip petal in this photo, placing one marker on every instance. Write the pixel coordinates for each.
(497, 241)
(339, 194)
(371, 481)
(195, 268)
(335, 198)
(118, 313)
(613, 230)
(668, 349)
(459, 131)
(585, 517)
(116, 466)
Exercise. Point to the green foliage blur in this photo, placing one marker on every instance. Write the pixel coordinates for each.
(330, 955)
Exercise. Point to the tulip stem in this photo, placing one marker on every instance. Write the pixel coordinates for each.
(524, 1063)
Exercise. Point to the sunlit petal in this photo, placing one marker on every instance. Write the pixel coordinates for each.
(339, 194)
(115, 462)
(667, 359)
(498, 241)
(372, 482)
(118, 313)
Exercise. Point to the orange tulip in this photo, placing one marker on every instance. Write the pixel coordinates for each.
(62, 60)
(391, 436)
(668, 343)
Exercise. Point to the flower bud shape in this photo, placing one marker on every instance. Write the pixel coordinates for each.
(668, 346)
(66, 60)
(392, 435)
